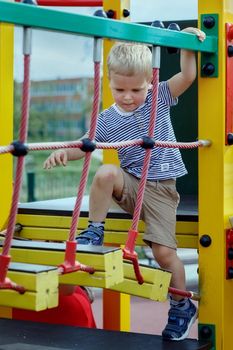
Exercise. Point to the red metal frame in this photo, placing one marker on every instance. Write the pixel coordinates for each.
(66, 3)
(229, 81)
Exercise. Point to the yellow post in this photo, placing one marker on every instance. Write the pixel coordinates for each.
(116, 306)
(110, 156)
(6, 118)
(215, 190)
(6, 128)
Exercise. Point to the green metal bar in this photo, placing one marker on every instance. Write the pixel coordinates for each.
(36, 17)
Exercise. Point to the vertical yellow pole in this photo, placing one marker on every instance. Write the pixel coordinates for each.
(116, 306)
(6, 127)
(215, 190)
(110, 156)
(6, 118)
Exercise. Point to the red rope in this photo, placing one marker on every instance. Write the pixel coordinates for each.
(70, 264)
(104, 145)
(6, 283)
(146, 163)
(184, 293)
(20, 160)
(87, 160)
(129, 250)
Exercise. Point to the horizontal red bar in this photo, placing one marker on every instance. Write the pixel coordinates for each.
(74, 3)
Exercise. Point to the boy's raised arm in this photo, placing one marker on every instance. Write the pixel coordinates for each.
(181, 81)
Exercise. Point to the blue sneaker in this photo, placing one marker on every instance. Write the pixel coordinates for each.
(92, 236)
(179, 322)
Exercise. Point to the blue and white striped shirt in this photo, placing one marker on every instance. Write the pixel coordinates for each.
(114, 126)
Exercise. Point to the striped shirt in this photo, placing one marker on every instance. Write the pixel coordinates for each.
(114, 125)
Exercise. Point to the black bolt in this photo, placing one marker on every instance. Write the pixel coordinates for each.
(158, 24)
(230, 272)
(205, 241)
(208, 69)
(230, 51)
(230, 139)
(100, 13)
(29, 2)
(209, 22)
(230, 253)
(125, 13)
(173, 26)
(205, 332)
(110, 13)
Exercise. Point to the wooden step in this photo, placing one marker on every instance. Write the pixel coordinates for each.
(107, 261)
(41, 284)
(155, 286)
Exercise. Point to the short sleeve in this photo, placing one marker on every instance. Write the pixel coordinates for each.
(101, 129)
(164, 94)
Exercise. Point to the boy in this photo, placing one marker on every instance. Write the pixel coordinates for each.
(130, 74)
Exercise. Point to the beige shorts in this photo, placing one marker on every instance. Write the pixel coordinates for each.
(158, 209)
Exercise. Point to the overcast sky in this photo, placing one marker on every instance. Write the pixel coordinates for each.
(62, 56)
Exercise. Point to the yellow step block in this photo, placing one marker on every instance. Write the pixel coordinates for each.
(41, 284)
(155, 286)
(107, 261)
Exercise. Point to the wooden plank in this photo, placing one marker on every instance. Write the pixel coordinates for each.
(155, 286)
(54, 228)
(107, 260)
(41, 284)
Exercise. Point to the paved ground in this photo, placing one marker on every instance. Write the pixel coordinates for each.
(147, 316)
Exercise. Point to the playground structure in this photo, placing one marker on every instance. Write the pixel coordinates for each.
(212, 234)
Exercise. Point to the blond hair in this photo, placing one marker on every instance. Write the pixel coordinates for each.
(129, 59)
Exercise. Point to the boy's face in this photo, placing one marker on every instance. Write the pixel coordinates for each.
(129, 92)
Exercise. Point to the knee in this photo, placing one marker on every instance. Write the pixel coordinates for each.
(106, 174)
(164, 256)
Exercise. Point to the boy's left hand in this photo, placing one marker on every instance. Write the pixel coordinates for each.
(199, 33)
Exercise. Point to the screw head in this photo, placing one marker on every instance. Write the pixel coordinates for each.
(230, 138)
(205, 332)
(205, 241)
(208, 69)
(29, 2)
(158, 24)
(230, 51)
(125, 13)
(209, 22)
(100, 13)
(230, 272)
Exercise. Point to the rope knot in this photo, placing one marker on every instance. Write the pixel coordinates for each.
(147, 142)
(20, 149)
(88, 145)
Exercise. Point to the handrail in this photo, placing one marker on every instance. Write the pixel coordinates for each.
(43, 18)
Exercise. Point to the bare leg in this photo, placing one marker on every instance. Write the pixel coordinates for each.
(167, 258)
(107, 180)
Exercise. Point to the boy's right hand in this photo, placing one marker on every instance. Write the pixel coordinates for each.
(56, 158)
